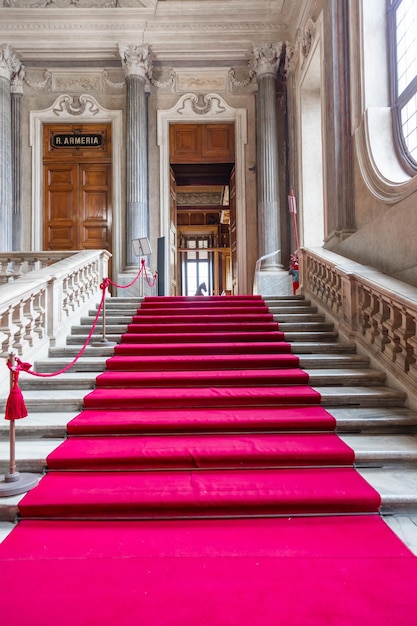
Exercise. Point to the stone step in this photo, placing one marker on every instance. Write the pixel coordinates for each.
(115, 311)
(97, 364)
(360, 396)
(349, 420)
(115, 329)
(324, 347)
(86, 380)
(293, 337)
(379, 451)
(47, 401)
(371, 451)
(382, 420)
(85, 364)
(39, 425)
(71, 351)
(31, 455)
(397, 487)
(38, 400)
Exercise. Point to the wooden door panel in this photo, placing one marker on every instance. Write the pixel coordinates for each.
(202, 143)
(95, 209)
(218, 142)
(77, 187)
(60, 218)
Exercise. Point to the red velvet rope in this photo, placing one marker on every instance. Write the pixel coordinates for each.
(26, 367)
(155, 276)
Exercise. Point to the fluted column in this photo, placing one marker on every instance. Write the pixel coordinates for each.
(264, 62)
(137, 65)
(16, 128)
(9, 64)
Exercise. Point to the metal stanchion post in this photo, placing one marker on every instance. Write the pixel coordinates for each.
(15, 483)
(104, 341)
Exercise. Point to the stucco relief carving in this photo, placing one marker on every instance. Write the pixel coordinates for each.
(201, 80)
(77, 83)
(297, 53)
(76, 105)
(308, 38)
(201, 105)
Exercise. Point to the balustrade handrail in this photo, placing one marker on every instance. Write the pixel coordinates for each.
(36, 309)
(258, 265)
(376, 311)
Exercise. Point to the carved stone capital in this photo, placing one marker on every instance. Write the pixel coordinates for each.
(136, 60)
(265, 58)
(17, 81)
(10, 65)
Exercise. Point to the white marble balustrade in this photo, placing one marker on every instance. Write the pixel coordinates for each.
(35, 310)
(376, 311)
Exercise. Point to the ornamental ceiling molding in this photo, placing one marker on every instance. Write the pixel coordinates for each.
(197, 27)
(135, 26)
(63, 4)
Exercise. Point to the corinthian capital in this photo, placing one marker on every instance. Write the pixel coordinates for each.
(10, 65)
(265, 58)
(136, 60)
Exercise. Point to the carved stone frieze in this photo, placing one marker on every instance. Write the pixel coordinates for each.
(39, 85)
(77, 82)
(200, 198)
(201, 80)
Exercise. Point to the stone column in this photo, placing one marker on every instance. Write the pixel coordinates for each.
(16, 127)
(137, 63)
(264, 62)
(9, 64)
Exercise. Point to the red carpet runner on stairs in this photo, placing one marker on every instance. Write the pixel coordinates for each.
(203, 484)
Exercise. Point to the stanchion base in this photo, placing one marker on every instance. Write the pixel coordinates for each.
(13, 485)
(103, 342)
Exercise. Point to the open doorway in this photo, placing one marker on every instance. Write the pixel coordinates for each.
(202, 214)
(203, 227)
(209, 111)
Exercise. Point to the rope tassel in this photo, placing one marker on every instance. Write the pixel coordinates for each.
(15, 405)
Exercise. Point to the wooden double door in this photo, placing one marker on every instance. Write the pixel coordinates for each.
(77, 174)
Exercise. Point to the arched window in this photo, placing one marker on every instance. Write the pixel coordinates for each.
(402, 19)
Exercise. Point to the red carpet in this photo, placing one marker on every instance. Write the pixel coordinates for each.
(203, 483)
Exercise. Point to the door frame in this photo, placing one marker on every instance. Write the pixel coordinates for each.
(190, 109)
(84, 110)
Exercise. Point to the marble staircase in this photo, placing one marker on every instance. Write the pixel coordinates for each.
(371, 417)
